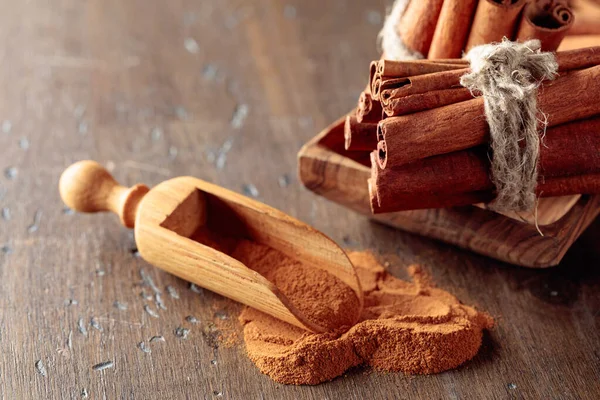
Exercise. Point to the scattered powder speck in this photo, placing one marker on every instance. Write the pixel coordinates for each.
(82, 127)
(159, 302)
(218, 393)
(143, 347)
(150, 311)
(409, 327)
(173, 152)
(95, 324)
(145, 295)
(36, 222)
(191, 319)
(79, 111)
(103, 365)
(6, 126)
(81, 326)
(374, 17)
(84, 393)
(24, 143)
(209, 72)
(67, 211)
(512, 386)
(213, 362)
(147, 279)
(156, 134)
(172, 292)
(195, 288)
(157, 338)
(181, 113)
(239, 115)
(11, 172)
(289, 11)
(181, 332)
(120, 306)
(191, 45)
(250, 190)
(284, 181)
(41, 368)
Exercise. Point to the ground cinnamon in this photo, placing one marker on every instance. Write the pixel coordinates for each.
(410, 327)
(323, 298)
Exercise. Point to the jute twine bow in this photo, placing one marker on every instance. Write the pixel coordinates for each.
(508, 75)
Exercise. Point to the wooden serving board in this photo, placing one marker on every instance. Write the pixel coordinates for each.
(341, 176)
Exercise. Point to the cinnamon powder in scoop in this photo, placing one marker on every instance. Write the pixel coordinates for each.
(323, 298)
(410, 327)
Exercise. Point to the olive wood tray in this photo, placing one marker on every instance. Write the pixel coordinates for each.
(327, 169)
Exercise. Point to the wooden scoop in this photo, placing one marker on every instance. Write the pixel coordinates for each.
(165, 218)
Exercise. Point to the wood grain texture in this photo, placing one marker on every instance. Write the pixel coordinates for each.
(113, 81)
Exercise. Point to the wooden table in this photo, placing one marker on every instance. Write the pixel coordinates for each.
(226, 91)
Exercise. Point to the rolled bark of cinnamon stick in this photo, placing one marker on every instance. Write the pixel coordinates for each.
(417, 25)
(368, 110)
(401, 69)
(425, 101)
(570, 151)
(494, 19)
(388, 70)
(452, 29)
(546, 20)
(460, 126)
(359, 136)
(394, 88)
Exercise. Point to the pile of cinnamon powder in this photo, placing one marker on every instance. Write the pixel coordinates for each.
(405, 326)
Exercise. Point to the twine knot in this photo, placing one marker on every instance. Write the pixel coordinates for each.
(508, 75)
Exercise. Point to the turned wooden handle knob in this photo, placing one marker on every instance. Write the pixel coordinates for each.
(87, 186)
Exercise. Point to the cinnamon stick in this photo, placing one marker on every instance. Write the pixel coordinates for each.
(359, 136)
(494, 19)
(388, 70)
(417, 25)
(546, 20)
(393, 88)
(426, 101)
(459, 126)
(368, 110)
(569, 164)
(452, 29)
(399, 69)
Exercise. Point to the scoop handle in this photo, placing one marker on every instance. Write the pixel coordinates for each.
(87, 186)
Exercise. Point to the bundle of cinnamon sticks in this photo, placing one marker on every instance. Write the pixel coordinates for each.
(428, 137)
